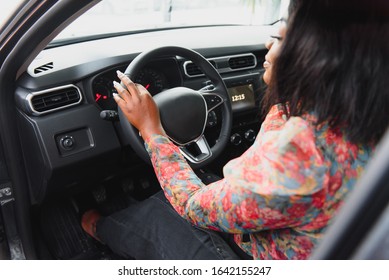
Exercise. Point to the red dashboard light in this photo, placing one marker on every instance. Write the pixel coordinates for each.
(97, 96)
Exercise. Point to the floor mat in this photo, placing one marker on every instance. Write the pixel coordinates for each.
(64, 237)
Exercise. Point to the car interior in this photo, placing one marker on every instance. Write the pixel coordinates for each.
(73, 148)
(67, 147)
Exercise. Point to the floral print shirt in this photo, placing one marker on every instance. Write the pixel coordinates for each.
(283, 191)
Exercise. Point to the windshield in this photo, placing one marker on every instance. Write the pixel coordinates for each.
(115, 16)
(7, 9)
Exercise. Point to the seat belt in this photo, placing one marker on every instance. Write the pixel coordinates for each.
(7, 210)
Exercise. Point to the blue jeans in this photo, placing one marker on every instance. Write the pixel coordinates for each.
(152, 229)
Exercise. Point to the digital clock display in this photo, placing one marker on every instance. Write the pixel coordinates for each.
(242, 97)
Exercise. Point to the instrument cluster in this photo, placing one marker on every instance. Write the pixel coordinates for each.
(152, 79)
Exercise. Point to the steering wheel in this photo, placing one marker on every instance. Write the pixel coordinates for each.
(184, 111)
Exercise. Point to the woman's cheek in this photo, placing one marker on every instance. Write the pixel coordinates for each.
(267, 76)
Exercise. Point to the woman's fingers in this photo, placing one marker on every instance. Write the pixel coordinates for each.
(138, 106)
(130, 85)
(123, 93)
(118, 99)
(130, 92)
(142, 89)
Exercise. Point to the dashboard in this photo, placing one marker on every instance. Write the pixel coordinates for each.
(67, 146)
(155, 77)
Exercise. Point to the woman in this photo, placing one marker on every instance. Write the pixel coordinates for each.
(326, 102)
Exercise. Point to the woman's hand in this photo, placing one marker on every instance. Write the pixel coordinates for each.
(138, 106)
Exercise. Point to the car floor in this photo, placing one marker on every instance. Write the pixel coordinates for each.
(59, 232)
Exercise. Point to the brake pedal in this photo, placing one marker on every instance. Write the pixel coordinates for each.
(99, 194)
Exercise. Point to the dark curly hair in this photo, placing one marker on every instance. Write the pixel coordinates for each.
(334, 62)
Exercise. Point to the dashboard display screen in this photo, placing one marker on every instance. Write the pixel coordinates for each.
(242, 97)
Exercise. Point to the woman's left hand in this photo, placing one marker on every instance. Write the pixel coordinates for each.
(138, 106)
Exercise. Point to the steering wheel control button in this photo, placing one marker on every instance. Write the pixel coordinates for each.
(67, 142)
(212, 119)
(212, 101)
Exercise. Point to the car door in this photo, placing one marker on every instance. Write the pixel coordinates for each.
(22, 37)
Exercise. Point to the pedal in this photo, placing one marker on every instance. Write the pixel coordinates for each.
(99, 194)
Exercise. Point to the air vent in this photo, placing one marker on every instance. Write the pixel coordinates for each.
(192, 70)
(54, 99)
(223, 64)
(43, 68)
(239, 62)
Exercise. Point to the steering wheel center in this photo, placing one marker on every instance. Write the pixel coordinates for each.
(183, 114)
